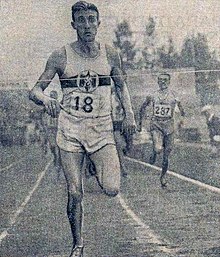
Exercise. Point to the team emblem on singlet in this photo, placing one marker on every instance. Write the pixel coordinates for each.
(87, 81)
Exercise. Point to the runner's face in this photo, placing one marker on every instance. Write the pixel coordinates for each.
(163, 82)
(86, 24)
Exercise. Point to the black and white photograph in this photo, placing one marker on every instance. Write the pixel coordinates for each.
(110, 128)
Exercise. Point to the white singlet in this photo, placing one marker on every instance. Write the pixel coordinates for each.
(85, 120)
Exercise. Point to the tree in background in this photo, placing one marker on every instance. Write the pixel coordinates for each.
(149, 59)
(125, 44)
(196, 53)
(168, 57)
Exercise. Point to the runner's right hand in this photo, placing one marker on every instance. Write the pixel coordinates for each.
(52, 106)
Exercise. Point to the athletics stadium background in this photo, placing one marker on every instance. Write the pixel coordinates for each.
(18, 114)
(144, 220)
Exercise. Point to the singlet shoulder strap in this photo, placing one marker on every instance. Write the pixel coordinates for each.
(69, 51)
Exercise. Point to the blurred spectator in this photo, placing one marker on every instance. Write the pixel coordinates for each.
(213, 123)
(31, 132)
(50, 126)
(37, 116)
(123, 141)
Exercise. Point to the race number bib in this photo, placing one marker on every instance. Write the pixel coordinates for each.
(162, 111)
(83, 105)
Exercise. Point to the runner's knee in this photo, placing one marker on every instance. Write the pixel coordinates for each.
(74, 194)
(157, 145)
(158, 148)
(111, 180)
(111, 187)
(108, 169)
(112, 192)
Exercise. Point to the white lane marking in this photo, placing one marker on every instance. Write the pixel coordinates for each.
(151, 237)
(24, 203)
(12, 164)
(193, 181)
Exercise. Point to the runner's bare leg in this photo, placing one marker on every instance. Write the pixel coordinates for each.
(108, 169)
(72, 165)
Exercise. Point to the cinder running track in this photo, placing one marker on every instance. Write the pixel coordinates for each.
(143, 221)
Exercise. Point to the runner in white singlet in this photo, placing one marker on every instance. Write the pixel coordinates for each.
(87, 71)
(163, 103)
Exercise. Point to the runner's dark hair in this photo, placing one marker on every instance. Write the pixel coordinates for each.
(164, 74)
(83, 5)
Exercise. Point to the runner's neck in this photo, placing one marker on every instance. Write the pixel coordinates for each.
(164, 91)
(163, 94)
(86, 50)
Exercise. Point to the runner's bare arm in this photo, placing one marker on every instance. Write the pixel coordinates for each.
(182, 112)
(55, 65)
(142, 111)
(129, 125)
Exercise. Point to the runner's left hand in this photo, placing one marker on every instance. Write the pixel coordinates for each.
(128, 125)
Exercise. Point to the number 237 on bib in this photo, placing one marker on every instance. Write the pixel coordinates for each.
(163, 110)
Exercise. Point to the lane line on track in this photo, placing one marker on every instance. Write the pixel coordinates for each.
(12, 164)
(193, 181)
(13, 219)
(152, 238)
